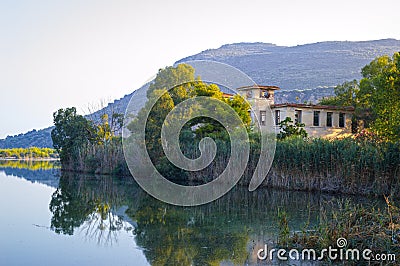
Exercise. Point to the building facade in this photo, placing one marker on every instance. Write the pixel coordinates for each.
(319, 120)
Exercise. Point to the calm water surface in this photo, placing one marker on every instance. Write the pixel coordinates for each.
(54, 218)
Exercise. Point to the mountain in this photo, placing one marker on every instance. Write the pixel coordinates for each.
(309, 66)
(305, 73)
(35, 138)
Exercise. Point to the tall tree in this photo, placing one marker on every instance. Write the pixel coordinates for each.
(71, 132)
(380, 90)
(184, 85)
(376, 97)
(345, 95)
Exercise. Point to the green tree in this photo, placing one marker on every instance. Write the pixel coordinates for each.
(380, 91)
(345, 95)
(184, 85)
(71, 132)
(170, 77)
(104, 130)
(173, 77)
(289, 129)
(155, 121)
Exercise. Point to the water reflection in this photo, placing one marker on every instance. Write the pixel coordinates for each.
(102, 211)
(91, 204)
(32, 165)
(44, 172)
(105, 210)
(27, 237)
(230, 229)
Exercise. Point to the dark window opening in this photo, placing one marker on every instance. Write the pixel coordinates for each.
(329, 119)
(341, 119)
(297, 116)
(316, 118)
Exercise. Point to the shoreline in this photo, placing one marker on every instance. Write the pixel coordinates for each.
(264, 185)
(30, 159)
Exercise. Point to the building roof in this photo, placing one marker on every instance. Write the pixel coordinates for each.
(255, 86)
(314, 106)
(227, 95)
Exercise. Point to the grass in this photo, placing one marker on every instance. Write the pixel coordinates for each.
(363, 226)
(345, 166)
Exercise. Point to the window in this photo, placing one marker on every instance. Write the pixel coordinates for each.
(341, 119)
(263, 116)
(277, 117)
(297, 116)
(316, 118)
(249, 94)
(264, 94)
(329, 119)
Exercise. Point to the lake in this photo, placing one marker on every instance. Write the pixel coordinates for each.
(51, 217)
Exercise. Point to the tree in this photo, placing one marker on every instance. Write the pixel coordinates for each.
(380, 91)
(173, 77)
(109, 127)
(170, 77)
(345, 95)
(184, 86)
(209, 127)
(71, 132)
(376, 98)
(289, 129)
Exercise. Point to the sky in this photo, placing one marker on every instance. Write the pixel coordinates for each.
(56, 54)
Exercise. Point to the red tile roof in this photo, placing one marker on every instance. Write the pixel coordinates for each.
(260, 87)
(314, 106)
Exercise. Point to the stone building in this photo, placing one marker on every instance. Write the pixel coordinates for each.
(320, 120)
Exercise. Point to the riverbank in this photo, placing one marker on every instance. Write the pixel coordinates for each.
(32, 153)
(349, 229)
(30, 159)
(345, 166)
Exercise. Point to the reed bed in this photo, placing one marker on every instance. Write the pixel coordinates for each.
(345, 166)
(363, 226)
(107, 158)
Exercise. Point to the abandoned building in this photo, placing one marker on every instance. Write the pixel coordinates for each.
(319, 120)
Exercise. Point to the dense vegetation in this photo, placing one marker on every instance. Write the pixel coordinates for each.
(376, 97)
(352, 165)
(364, 226)
(28, 153)
(366, 164)
(288, 128)
(86, 146)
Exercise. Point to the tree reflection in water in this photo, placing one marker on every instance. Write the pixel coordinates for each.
(228, 229)
(88, 203)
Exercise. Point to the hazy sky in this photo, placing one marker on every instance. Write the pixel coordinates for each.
(57, 54)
